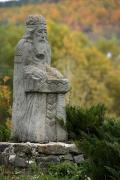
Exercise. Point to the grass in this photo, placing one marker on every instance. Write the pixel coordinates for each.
(61, 171)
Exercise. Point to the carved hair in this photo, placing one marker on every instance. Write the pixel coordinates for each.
(36, 21)
(32, 23)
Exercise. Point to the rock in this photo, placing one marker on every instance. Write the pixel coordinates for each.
(19, 162)
(12, 158)
(78, 159)
(22, 148)
(73, 149)
(31, 162)
(6, 154)
(67, 157)
(52, 148)
(50, 158)
(3, 146)
(24, 154)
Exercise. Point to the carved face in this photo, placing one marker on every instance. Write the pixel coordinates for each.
(40, 35)
(39, 43)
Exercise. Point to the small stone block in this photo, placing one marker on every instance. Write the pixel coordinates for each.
(67, 157)
(52, 148)
(22, 147)
(50, 158)
(73, 149)
(3, 146)
(78, 159)
(19, 162)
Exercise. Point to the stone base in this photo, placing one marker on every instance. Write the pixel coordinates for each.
(24, 154)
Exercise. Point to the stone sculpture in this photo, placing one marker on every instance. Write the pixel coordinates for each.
(38, 89)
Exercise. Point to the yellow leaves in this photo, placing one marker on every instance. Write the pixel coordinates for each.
(9, 123)
(5, 79)
(89, 80)
(75, 13)
(87, 68)
(5, 102)
(5, 93)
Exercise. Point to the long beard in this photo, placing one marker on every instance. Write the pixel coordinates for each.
(40, 51)
(40, 46)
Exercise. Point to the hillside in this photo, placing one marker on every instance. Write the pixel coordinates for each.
(13, 3)
(95, 18)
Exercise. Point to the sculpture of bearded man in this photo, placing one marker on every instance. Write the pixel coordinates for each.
(35, 84)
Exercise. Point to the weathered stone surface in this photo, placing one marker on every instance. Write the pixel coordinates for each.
(48, 148)
(18, 162)
(38, 89)
(50, 158)
(67, 157)
(57, 148)
(3, 146)
(23, 154)
(61, 133)
(72, 148)
(12, 159)
(50, 124)
(79, 158)
(50, 86)
(22, 148)
(52, 148)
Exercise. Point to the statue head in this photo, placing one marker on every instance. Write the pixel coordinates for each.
(36, 28)
(37, 35)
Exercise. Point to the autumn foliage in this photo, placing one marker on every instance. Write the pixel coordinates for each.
(92, 66)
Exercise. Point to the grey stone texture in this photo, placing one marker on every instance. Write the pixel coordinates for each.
(23, 154)
(38, 89)
(79, 158)
(17, 161)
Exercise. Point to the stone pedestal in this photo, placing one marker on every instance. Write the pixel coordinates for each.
(24, 154)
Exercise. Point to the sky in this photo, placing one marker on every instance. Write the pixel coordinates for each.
(5, 0)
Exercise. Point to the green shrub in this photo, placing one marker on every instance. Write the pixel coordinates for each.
(81, 120)
(4, 133)
(99, 138)
(62, 171)
(69, 170)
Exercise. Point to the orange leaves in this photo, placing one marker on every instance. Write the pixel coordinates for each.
(76, 13)
(116, 15)
(101, 13)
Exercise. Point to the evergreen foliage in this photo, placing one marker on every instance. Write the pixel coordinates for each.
(4, 133)
(99, 138)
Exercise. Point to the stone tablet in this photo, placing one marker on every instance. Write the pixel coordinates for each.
(38, 89)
